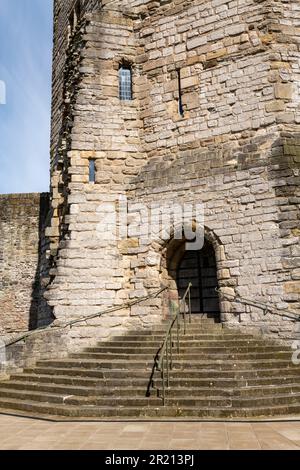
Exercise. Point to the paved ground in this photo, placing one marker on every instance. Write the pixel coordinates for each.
(24, 434)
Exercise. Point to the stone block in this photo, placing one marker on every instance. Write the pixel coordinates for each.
(292, 287)
(275, 106)
(200, 40)
(283, 91)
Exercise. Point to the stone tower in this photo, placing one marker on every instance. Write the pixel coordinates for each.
(214, 118)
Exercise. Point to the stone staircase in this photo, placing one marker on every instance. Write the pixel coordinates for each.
(219, 374)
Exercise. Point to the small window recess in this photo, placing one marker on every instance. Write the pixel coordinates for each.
(77, 13)
(74, 19)
(70, 26)
(125, 82)
(180, 104)
(92, 171)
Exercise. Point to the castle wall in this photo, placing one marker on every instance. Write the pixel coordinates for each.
(22, 218)
(62, 12)
(230, 151)
(115, 145)
(235, 150)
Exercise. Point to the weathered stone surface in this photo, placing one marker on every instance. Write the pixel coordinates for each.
(22, 221)
(231, 150)
(233, 147)
(284, 91)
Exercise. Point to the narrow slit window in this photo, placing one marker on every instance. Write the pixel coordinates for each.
(92, 171)
(77, 13)
(180, 104)
(125, 83)
(71, 23)
(74, 17)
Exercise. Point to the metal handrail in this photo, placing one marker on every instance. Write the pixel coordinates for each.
(267, 308)
(84, 319)
(164, 358)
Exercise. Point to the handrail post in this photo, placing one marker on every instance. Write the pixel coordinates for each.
(167, 359)
(171, 350)
(163, 381)
(178, 344)
(166, 352)
(190, 305)
(182, 306)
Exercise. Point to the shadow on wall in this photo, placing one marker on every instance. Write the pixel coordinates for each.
(284, 174)
(40, 313)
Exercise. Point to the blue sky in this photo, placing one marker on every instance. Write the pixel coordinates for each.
(25, 68)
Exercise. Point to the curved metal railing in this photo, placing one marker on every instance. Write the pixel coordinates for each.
(164, 358)
(71, 323)
(266, 308)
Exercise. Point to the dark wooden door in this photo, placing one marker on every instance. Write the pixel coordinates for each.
(199, 268)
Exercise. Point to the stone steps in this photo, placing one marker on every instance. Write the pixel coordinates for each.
(38, 396)
(188, 357)
(185, 374)
(139, 390)
(23, 380)
(199, 324)
(218, 373)
(123, 364)
(186, 347)
(31, 408)
(212, 331)
(197, 336)
(143, 401)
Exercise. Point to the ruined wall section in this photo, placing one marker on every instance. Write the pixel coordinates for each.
(69, 22)
(62, 36)
(22, 223)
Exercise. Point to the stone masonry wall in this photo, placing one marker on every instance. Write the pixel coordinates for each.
(240, 84)
(22, 218)
(114, 146)
(235, 150)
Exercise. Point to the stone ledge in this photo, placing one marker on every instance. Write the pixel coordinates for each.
(24, 196)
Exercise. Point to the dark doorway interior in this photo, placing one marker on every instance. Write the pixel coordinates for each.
(199, 268)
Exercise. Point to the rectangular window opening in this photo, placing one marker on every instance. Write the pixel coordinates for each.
(180, 104)
(125, 79)
(92, 171)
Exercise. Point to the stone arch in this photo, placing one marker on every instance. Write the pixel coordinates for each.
(172, 252)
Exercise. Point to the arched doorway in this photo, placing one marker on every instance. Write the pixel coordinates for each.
(200, 268)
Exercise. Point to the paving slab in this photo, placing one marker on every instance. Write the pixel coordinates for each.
(30, 434)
